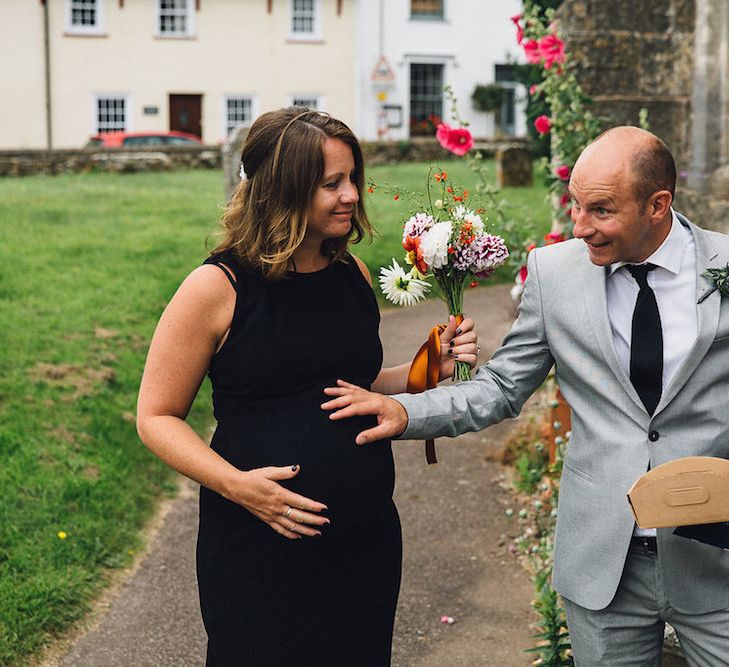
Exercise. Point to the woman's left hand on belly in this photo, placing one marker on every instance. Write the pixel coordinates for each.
(288, 513)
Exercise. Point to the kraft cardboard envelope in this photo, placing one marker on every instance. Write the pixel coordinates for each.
(684, 492)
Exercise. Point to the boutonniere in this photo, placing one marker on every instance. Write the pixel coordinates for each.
(720, 281)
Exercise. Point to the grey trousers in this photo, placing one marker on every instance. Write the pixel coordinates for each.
(629, 631)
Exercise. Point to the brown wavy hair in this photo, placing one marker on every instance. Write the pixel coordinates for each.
(266, 218)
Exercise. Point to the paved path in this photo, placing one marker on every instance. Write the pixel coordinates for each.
(454, 562)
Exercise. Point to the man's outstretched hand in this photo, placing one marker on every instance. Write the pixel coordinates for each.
(352, 401)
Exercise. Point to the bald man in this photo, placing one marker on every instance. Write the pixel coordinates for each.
(645, 369)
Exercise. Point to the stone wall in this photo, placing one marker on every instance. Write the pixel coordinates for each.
(29, 162)
(671, 58)
(632, 55)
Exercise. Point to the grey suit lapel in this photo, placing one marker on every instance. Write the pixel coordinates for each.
(595, 294)
(707, 314)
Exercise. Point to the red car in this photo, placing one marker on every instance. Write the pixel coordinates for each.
(133, 139)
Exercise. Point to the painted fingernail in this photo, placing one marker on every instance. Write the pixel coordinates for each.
(295, 468)
(451, 343)
(450, 352)
(455, 356)
(458, 331)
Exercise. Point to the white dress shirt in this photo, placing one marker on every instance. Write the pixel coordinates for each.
(674, 283)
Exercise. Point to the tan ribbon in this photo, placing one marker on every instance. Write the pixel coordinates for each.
(425, 373)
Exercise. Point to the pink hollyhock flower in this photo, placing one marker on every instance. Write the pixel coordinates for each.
(564, 199)
(457, 140)
(519, 30)
(551, 48)
(533, 89)
(532, 52)
(542, 124)
(562, 172)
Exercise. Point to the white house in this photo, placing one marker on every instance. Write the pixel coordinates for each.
(201, 66)
(73, 68)
(407, 50)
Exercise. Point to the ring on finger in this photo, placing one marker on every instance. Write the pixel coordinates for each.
(288, 512)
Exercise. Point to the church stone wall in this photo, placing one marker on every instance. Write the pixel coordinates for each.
(669, 57)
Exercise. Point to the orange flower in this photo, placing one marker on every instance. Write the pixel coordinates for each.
(473, 283)
(370, 189)
(465, 194)
(415, 254)
(449, 189)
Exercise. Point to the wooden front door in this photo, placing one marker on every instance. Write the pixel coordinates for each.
(186, 114)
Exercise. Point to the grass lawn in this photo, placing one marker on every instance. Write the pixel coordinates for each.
(87, 263)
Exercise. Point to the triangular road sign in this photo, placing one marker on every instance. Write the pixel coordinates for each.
(383, 72)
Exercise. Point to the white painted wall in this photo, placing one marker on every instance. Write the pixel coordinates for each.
(22, 87)
(471, 38)
(237, 48)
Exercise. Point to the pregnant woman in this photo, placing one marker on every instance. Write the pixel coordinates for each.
(299, 546)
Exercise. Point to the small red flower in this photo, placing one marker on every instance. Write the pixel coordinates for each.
(519, 29)
(554, 237)
(396, 197)
(523, 274)
(370, 189)
(465, 194)
(451, 250)
(564, 199)
(562, 172)
(473, 283)
(449, 190)
(533, 89)
(542, 124)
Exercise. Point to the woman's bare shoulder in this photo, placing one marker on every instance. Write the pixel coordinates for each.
(363, 268)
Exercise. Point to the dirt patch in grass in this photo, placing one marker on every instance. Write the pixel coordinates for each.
(80, 380)
(101, 332)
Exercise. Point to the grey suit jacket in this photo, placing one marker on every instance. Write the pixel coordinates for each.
(563, 321)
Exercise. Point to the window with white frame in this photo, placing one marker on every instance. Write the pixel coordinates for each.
(174, 18)
(84, 16)
(426, 98)
(304, 19)
(310, 102)
(111, 113)
(238, 111)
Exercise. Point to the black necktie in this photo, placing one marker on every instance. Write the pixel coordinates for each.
(646, 346)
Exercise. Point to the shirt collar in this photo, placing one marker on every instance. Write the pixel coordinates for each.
(669, 254)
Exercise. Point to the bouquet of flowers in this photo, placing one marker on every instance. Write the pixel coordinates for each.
(446, 241)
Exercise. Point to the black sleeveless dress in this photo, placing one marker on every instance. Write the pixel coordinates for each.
(317, 601)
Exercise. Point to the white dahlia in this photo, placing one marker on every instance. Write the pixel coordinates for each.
(401, 288)
(434, 243)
